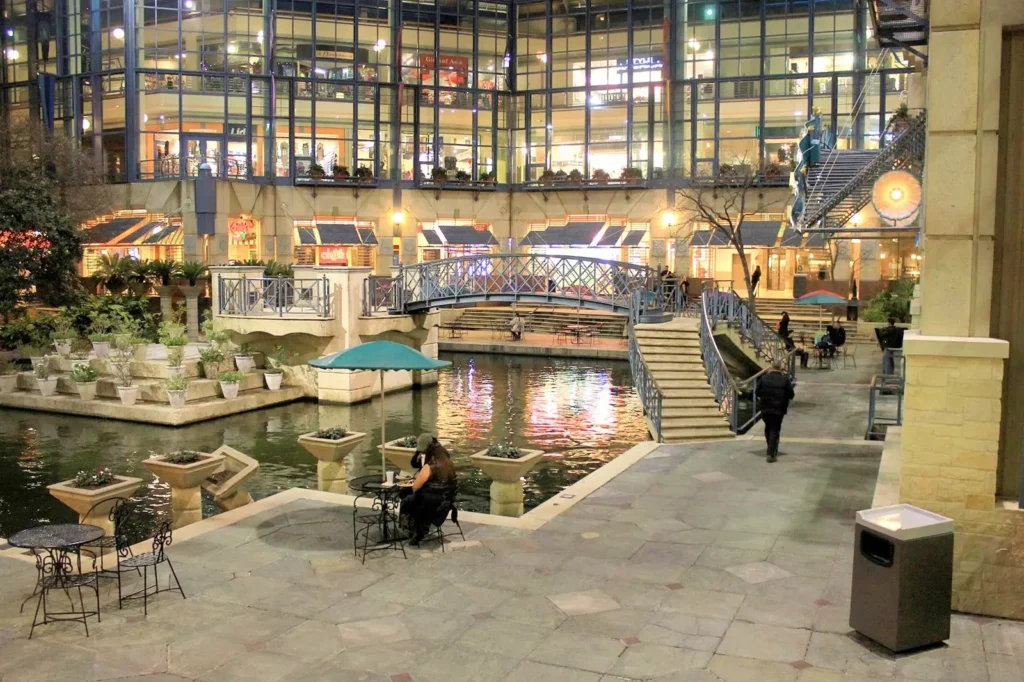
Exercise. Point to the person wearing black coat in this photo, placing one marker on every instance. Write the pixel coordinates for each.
(755, 278)
(774, 391)
(784, 325)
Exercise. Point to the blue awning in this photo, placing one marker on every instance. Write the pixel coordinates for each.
(709, 238)
(611, 235)
(759, 232)
(634, 237)
(815, 240)
(577, 233)
(791, 238)
(305, 235)
(431, 236)
(467, 235)
(367, 236)
(338, 233)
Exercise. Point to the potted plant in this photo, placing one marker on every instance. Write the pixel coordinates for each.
(36, 354)
(84, 377)
(100, 335)
(401, 451)
(600, 176)
(341, 173)
(506, 463)
(489, 179)
(45, 379)
(192, 271)
(560, 177)
(332, 444)
(658, 174)
(63, 334)
(185, 468)
(88, 490)
(80, 352)
(315, 172)
(274, 374)
(575, 177)
(632, 176)
(177, 390)
(210, 358)
(243, 358)
(547, 178)
(229, 384)
(175, 352)
(122, 352)
(364, 174)
(462, 177)
(8, 376)
(438, 175)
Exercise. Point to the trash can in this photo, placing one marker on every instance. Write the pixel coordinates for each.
(902, 577)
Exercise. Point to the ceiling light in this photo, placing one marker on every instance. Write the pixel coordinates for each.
(232, 48)
(693, 44)
(896, 194)
(189, 4)
(259, 36)
(118, 33)
(543, 57)
(12, 53)
(85, 124)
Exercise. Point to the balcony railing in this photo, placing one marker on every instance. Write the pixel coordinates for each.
(274, 297)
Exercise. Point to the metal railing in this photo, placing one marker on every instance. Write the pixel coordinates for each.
(887, 384)
(766, 342)
(274, 297)
(646, 385)
(565, 280)
(379, 294)
(723, 387)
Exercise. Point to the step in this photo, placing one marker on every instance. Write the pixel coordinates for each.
(671, 354)
(664, 377)
(676, 403)
(684, 384)
(669, 342)
(703, 393)
(149, 389)
(711, 412)
(655, 364)
(683, 435)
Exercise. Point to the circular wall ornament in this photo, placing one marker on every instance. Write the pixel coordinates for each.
(896, 195)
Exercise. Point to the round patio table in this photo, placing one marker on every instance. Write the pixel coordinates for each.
(56, 536)
(385, 498)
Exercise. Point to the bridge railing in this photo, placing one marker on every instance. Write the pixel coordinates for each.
(274, 297)
(723, 387)
(380, 294)
(646, 386)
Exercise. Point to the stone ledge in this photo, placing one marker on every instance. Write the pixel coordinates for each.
(914, 343)
(540, 351)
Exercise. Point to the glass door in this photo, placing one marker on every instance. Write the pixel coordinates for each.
(203, 150)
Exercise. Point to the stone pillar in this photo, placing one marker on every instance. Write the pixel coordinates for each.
(186, 506)
(167, 302)
(507, 498)
(192, 311)
(239, 498)
(99, 517)
(332, 476)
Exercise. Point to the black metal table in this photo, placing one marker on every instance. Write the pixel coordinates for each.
(385, 504)
(57, 536)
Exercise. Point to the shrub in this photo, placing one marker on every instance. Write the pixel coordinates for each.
(83, 374)
(893, 302)
(7, 367)
(63, 327)
(42, 369)
(177, 383)
(280, 357)
(231, 377)
(24, 331)
(184, 457)
(94, 479)
(211, 356)
(504, 451)
(406, 442)
(333, 433)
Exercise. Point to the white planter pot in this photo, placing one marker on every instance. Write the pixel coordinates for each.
(47, 387)
(63, 347)
(273, 380)
(8, 383)
(128, 394)
(244, 363)
(176, 398)
(175, 371)
(101, 348)
(229, 389)
(87, 391)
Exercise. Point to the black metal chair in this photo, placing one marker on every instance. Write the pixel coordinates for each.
(119, 516)
(449, 509)
(57, 571)
(382, 517)
(161, 539)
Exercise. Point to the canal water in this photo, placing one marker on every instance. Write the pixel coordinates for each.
(582, 413)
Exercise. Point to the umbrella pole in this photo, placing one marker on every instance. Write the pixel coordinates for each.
(383, 438)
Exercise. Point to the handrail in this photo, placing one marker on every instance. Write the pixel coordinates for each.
(646, 385)
(722, 384)
(273, 296)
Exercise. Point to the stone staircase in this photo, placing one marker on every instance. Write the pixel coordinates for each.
(689, 412)
(804, 318)
(544, 320)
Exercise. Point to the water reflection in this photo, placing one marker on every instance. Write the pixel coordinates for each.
(582, 413)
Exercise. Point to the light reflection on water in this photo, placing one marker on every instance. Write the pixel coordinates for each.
(582, 413)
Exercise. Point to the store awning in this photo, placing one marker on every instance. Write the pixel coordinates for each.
(709, 238)
(368, 237)
(611, 235)
(335, 234)
(634, 237)
(108, 231)
(305, 236)
(791, 238)
(760, 232)
(433, 239)
(467, 235)
(164, 234)
(137, 235)
(815, 240)
(574, 233)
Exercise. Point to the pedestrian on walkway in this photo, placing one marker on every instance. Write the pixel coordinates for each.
(754, 279)
(774, 391)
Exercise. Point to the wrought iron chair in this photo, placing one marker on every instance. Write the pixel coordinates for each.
(161, 540)
(449, 509)
(382, 516)
(57, 571)
(119, 516)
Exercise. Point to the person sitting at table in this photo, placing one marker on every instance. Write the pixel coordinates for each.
(517, 326)
(422, 508)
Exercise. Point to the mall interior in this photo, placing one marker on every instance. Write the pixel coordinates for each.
(474, 127)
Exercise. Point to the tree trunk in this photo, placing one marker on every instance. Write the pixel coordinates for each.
(751, 298)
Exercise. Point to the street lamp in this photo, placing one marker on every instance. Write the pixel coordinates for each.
(398, 217)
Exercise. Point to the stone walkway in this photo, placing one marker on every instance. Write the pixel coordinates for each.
(700, 563)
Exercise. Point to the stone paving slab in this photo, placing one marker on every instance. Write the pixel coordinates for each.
(739, 576)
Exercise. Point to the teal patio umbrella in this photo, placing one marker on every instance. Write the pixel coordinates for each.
(820, 297)
(383, 356)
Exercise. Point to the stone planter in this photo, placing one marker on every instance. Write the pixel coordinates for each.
(63, 347)
(192, 294)
(128, 394)
(175, 371)
(101, 348)
(229, 389)
(87, 391)
(166, 294)
(506, 483)
(47, 387)
(244, 363)
(402, 457)
(141, 352)
(185, 481)
(273, 380)
(330, 455)
(177, 398)
(8, 383)
(82, 500)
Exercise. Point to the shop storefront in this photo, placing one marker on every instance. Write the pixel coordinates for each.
(455, 239)
(131, 234)
(591, 237)
(344, 243)
(243, 240)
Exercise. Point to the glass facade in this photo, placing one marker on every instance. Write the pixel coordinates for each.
(264, 89)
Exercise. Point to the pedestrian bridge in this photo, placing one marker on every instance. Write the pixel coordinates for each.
(573, 281)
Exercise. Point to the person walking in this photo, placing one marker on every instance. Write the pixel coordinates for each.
(784, 325)
(774, 391)
(754, 279)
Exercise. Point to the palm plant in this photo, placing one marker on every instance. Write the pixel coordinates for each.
(192, 271)
(115, 272)
(164, 271)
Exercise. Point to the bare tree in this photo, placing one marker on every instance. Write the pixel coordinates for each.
(725, 202)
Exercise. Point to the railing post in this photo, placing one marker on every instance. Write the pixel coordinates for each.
(326, 296)
(280, 297)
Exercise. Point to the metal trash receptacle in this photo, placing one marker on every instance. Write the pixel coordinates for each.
(902, 576)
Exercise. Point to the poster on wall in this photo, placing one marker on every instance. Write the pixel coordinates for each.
(333, 255)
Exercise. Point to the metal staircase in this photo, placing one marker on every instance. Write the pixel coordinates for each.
(901, 24)
(834, 189)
